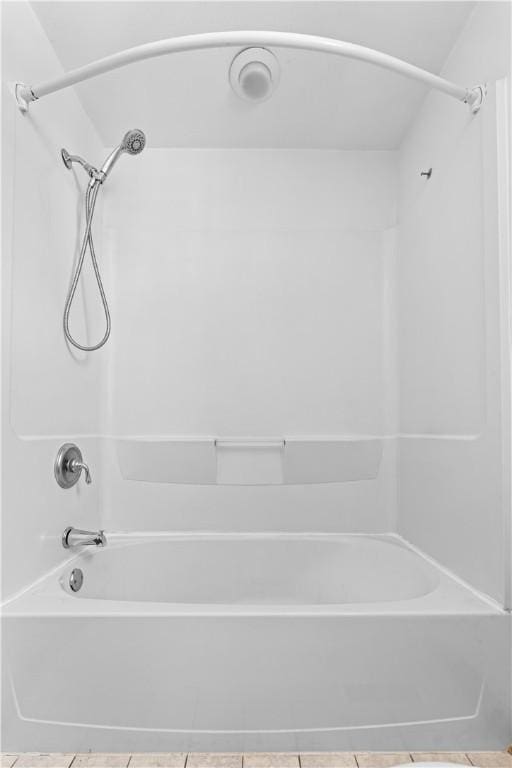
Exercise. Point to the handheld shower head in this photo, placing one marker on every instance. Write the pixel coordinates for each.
(133, 142)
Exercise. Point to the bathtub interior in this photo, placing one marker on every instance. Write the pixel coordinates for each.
(309, 340)
(278, 570)
(251, 574)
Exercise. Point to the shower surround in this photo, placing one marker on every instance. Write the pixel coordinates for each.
(298, 431)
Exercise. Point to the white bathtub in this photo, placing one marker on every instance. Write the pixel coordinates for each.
(235, 642)
(285, 572)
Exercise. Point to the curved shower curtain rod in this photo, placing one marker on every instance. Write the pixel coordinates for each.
(27, 93)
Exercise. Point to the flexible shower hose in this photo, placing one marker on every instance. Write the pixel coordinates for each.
(90, 203)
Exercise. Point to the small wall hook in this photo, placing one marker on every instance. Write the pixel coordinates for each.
(428, 173)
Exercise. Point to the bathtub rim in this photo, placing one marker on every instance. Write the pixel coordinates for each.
(46, 597)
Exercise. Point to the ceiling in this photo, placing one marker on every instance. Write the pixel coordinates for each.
(185, 100)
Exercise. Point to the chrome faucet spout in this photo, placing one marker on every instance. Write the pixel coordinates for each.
(75, 537)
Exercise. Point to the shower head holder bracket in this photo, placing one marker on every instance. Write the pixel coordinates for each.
(66, 158)
(93, 172)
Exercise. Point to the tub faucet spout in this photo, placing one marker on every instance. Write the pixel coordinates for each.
(74, 537)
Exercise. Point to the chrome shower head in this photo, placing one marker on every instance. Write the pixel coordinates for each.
(133, 142)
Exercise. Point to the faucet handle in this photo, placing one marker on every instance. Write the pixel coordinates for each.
(69, 465)
(78, 466)
(88, 478)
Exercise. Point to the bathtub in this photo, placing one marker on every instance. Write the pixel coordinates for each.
(254, 641)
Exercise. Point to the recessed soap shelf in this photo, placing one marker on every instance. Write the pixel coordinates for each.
(290, 460)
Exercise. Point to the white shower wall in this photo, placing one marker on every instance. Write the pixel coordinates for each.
(452, 309)
(252, 298)
(49, 394)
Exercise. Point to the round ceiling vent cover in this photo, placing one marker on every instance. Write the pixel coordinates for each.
(254, 74)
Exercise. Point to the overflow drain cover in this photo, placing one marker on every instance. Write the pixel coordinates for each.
(76, 579)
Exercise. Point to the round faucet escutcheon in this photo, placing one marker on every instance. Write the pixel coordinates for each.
(69, 465)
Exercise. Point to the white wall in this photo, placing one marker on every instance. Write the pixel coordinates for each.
(251, 299)
(50, 394)
(451, 483)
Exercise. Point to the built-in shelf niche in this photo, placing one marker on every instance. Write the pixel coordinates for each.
(249, 461)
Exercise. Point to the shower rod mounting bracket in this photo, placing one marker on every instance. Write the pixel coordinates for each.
(24, 95)
(476, 98)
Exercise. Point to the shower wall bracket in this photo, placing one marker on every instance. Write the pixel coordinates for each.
(23, 95)
(479, 93)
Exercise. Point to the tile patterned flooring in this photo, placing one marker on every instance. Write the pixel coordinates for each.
(251, 760)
